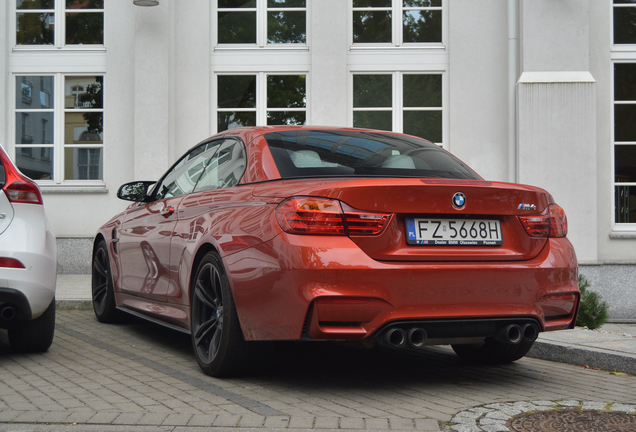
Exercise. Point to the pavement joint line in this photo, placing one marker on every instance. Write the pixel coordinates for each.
(242, 401)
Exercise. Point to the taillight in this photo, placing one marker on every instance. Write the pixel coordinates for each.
(323, 216)
(23, 192)
(552, 222)
(311, 216)
(11, 263)
(17, 187)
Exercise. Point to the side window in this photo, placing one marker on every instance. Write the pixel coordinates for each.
(225, 169)
(184, 175)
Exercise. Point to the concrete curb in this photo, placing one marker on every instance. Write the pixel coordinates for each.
(584, 356)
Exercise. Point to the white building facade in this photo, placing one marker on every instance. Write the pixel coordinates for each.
(96, 93)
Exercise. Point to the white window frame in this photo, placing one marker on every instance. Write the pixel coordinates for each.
(60, 28)
(397, 99)
(616, 226)
(619, 47)
(58, 143)
(261, 10)
(261, 109)
(619, 53)
(397, 41)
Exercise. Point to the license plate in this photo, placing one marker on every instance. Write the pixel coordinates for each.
(453, 232)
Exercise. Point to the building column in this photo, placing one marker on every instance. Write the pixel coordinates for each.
(153, 36)
(329, 76)
(556, 113)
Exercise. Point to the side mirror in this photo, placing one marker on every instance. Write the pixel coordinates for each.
(135, 191)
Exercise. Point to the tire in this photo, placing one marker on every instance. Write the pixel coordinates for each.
(102, 287)
(217, 340)
(34, 335)
(491, 351)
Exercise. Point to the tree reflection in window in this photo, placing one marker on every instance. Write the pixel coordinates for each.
(38, 20)
(239, 22)
(416, 21)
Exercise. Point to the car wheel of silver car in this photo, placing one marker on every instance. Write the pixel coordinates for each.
(34, 335)
(491, 351)
(217, 339)
(102, 287)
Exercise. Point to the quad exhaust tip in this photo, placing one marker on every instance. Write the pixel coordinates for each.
(399, 338)
(396, 337)
(514, 333)
(416, 337)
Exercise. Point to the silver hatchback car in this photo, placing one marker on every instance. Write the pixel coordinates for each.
(28, 262)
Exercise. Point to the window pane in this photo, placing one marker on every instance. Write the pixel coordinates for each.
(83, 128)
(237, 27)
(625, 25)
(373, 26)
(372, 91)
(84, 4)
(83, 164)
(286, 117)
(625, 163)
(35, 4)
(625, 81)
(422, 3)
(371, 3)
(35, 29)
(34, 92)
(422, 90)
(231, 120)
(286, 91)
(625, 122)
(83, 92)
(85, 28)
(422, 26)
(35, 162)
(286, 3)
(237, 91)
(382, 120)
(425, 124)
(286, 27)
(34, 127)
(237, 3)
(625, 204)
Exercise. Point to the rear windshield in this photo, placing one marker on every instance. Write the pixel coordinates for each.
(308, 153)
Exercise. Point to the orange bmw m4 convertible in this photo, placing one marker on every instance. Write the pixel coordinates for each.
(313, 233)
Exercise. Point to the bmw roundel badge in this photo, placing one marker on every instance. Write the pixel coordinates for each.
(459, 200)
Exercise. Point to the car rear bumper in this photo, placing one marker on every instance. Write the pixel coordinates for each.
(33, 245)
(338, 292)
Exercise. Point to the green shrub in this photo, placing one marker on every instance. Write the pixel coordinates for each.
(593, 310)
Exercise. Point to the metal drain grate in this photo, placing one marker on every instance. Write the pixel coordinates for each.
(573, 421)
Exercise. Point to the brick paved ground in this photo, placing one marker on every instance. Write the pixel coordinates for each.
(109, 377)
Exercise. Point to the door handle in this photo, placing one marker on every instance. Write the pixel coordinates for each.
(167, 211)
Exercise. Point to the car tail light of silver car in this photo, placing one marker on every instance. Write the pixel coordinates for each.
(323, 216)
(20, 189)
(552, 222)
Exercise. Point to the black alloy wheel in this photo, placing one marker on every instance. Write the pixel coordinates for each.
(217, 339)
(102, 287)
